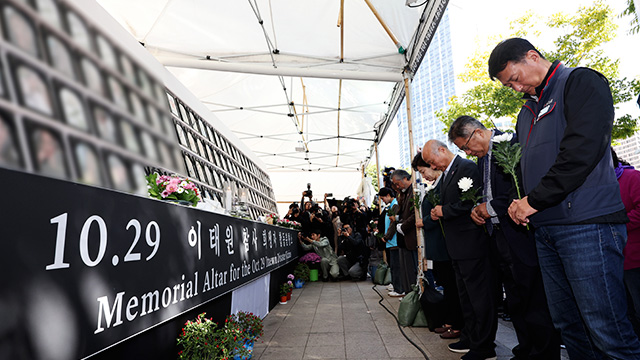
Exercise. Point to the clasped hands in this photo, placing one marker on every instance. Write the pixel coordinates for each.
(520, 210)
(479, 213)
(436, 212)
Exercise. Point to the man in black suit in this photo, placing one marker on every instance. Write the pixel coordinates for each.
(513, 246)
(468, 247)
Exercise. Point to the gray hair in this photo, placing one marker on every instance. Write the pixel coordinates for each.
(463, 126)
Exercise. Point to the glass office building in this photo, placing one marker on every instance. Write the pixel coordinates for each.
(431, 89)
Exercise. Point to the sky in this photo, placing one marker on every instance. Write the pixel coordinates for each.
(473, 22)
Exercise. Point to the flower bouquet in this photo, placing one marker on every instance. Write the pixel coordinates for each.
(289, 224)
(469, 193)
(508, 156)
(174, 188)
(272, 219)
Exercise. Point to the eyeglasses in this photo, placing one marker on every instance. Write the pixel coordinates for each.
(464, 147)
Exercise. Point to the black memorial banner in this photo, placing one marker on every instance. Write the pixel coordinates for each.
(84, 268)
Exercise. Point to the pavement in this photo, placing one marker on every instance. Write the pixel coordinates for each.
(343, 320)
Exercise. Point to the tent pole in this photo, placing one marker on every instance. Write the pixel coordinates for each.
(341, 25)
(416, 191)
(401, 50)
(338, 125)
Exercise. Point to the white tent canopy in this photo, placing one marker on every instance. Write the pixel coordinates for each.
(309, 97)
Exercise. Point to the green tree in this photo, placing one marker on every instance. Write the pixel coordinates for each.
(372, 173)
(631, 11)
(580, 42)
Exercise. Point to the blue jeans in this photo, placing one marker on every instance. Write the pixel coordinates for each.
(582, 273)
(632, 282)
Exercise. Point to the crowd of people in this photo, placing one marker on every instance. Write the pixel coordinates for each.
(340, 232)
(556, 233)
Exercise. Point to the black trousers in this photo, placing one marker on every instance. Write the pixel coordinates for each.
(476, 281)
(537, 337)
(446, 277)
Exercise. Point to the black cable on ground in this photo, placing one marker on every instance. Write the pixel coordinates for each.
(398, 323)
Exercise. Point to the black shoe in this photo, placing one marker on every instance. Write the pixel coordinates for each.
(324, 279)
(460, 347)
(472, 355)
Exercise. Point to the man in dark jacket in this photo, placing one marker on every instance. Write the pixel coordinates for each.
(354, 257)
(514, 246)
(468, 247)
(450, 313)
(407, 242)
(572, 197)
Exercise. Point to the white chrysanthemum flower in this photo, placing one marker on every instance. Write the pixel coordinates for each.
(465, 183)
(183, 183)
(180, 190)
(430, 187)
(504, 137)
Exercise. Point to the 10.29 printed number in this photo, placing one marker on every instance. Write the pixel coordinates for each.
(151, 234)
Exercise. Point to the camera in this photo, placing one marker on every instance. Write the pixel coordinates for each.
(308, 192)
(329, 194)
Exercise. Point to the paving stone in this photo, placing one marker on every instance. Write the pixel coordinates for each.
(280, 353)
(325, 352)
(344, 321)
(326, 339)
(366, 351)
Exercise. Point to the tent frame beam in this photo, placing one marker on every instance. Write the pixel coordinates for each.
(204, 64)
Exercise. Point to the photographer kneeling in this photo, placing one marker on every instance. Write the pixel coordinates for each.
(321, 246)
(354, 257)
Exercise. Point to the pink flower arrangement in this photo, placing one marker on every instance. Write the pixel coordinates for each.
(290, 277)
(310, 258)
(289, 224)
(165, 187)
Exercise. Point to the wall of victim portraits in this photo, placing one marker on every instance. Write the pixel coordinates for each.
(83, 118)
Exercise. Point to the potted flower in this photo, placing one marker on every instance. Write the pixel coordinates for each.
(249, 327)
(312, 260)
(203, 339)
(290, 288)
(173, 188)
(284, 290)
(301, 274)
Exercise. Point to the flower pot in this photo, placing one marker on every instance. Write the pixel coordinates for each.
(298, 283)
(283, 299)
(289, 296)
(313, 275)
(248, 345)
